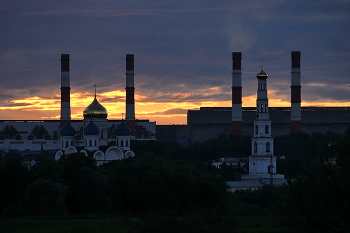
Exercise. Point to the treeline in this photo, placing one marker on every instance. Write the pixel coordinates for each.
(168, 185)
(75, 185)
(300, 150)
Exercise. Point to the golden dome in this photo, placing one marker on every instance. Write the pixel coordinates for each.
(262, 74)
(95, 111)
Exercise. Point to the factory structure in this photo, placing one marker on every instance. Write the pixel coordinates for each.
(209, 122)
(94, 135)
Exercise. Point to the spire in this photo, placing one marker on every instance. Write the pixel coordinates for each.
(95, 89)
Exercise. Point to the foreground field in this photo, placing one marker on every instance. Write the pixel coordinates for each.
(256, 224)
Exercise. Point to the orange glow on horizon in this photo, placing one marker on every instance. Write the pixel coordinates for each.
(168, 112)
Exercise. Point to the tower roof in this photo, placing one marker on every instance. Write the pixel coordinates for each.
(122, 130)
(262, 74)
(91, 129)
(95, 111)
(67, 130)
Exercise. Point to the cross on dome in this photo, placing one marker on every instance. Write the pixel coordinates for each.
(95, 89)
(262, 62)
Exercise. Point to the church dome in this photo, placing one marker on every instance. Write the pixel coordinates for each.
(262, 74)
(91, 129)
(122, 130)
(95, 111)
(67, 130)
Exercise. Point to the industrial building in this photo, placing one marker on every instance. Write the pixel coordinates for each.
(209, 122)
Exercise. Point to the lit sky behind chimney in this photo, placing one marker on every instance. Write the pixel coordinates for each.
(182, 54)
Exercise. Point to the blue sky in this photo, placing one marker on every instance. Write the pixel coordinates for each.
(182, 48)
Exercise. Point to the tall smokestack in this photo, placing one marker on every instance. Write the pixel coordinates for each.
(130, 101)
(65, 90)
(295, 93)
(236, 94)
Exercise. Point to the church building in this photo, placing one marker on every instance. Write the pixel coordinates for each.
(95, 135)
(96, 141)
(262, 162)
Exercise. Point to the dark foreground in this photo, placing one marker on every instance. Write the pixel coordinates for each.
(246, 224)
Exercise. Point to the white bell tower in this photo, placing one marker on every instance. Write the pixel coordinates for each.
(262, 163)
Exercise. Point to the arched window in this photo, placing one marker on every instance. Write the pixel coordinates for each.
(266, 129)
(256, 129)
(255, 147)
(268, 147)
(262, 108)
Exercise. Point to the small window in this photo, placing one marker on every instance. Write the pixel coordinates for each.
(266, 129)
(268, 147)
(255, 147)
(256, 129)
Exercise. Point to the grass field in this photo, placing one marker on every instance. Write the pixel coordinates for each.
(66, 225)
(245, 224)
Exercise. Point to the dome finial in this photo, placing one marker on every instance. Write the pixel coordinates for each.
(262, 62)
(95, 89)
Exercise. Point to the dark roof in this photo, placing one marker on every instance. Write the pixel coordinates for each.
(91, 129)
(67, 130)
(122, 130)
(262, 74)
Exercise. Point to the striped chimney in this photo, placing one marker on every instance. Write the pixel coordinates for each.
(130, 101)
(295, 93)
(236, 94)
(65, 90)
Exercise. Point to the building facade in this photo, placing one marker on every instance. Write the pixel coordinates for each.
(95, 134)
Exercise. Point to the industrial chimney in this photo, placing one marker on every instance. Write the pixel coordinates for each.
(65, 90)
(295, 93)
(236, 94)
(130, 101)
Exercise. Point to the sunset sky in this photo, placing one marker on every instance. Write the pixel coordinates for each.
(182, 54)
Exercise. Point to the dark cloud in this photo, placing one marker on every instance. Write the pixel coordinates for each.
(179, 46)
(173, 111)
(15, 104)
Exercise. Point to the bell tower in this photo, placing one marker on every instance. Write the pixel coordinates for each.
(262, 162)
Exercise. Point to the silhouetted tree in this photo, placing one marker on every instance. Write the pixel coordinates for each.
(44, 197)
